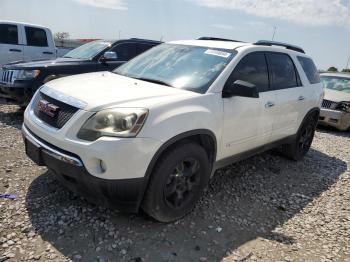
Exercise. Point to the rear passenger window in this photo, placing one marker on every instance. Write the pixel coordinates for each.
(310, 69)
(283, 71)
(8, 34)
(253, 69)
(36, 36)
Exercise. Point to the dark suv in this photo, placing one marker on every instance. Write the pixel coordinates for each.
(19, 81)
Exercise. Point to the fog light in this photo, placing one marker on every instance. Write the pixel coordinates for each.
(103, 166)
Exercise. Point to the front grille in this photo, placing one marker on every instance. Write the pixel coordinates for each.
(8, 76)
(328, 104)
(65, 111)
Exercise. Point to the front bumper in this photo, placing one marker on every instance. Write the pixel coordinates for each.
(21, 92)
(334, 118)
(123, 194)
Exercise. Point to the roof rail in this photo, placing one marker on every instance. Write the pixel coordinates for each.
(217, 39)
(287, 46)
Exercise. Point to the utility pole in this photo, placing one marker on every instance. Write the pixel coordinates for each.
(274, 32)
(347, 63)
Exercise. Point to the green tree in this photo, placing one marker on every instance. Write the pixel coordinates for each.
(346, 70)
(332, 69)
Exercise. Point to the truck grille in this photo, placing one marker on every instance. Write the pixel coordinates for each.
(8, 76)
(329, 104)
(60, 118)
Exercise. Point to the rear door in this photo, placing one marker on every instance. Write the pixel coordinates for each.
(11, 49)
(38, 44)
(248, 121)
(285, 82)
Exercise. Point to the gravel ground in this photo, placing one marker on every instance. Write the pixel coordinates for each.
(265, 208)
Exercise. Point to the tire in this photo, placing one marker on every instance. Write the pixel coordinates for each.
(299, 148)
(177, 182)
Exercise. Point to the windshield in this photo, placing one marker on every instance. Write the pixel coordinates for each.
(192, 68)
(89, 50)
(336, 83)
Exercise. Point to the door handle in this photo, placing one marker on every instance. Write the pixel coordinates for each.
(301, 98)
(48, 53)
(269, 104)
(15, 50)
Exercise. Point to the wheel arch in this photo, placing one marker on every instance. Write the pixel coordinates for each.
(313, 111)
(204, 137)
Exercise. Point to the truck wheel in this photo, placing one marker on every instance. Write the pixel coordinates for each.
(299, 148)
(177, 182)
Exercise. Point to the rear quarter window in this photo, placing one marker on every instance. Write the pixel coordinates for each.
(310, 70)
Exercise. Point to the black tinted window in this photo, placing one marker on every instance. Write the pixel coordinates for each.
(140, 48)
(8, 34)
(283, 71)
(253, 69)
(310, 69)
(36, 36)
(125, 51)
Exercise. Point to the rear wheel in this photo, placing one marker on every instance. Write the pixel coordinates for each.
(299, 148)
(177, 182)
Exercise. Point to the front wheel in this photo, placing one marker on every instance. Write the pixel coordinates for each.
(177, 182)
(299, 148)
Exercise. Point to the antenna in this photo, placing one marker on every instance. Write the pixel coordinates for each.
(347, 63)
(274, 32)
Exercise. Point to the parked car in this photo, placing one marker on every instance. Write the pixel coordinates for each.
(151, 133)
(25, 42)
(19, 81)
(335, 109)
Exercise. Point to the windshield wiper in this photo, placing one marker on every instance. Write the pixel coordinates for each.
(153, 81)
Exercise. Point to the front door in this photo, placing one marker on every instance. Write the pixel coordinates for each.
(248, 121)
(125, 52)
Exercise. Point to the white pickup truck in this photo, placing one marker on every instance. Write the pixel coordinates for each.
(25, 42)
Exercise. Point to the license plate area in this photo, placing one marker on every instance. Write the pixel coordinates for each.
(33, 151)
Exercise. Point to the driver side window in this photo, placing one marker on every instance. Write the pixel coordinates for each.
(252, 69)
(125, 51)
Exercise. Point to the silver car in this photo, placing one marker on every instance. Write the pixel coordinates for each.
(335, 109)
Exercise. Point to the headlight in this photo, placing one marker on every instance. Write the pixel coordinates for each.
(27, 74)
(119, 122)
(343, 106)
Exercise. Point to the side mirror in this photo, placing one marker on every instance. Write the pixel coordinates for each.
(240, 88)
(109, 56)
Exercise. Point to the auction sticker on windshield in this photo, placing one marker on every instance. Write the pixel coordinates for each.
(217, 53)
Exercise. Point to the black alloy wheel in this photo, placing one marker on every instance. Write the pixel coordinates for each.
(182, 183)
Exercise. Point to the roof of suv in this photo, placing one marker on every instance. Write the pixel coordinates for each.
(211, 43)
(133, 40)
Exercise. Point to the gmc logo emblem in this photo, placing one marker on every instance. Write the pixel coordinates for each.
(47, 108)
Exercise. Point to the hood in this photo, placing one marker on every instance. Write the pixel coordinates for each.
(336, 96)
(44, 63)
(96, 91)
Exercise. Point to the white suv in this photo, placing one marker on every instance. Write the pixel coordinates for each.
(151, 133)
